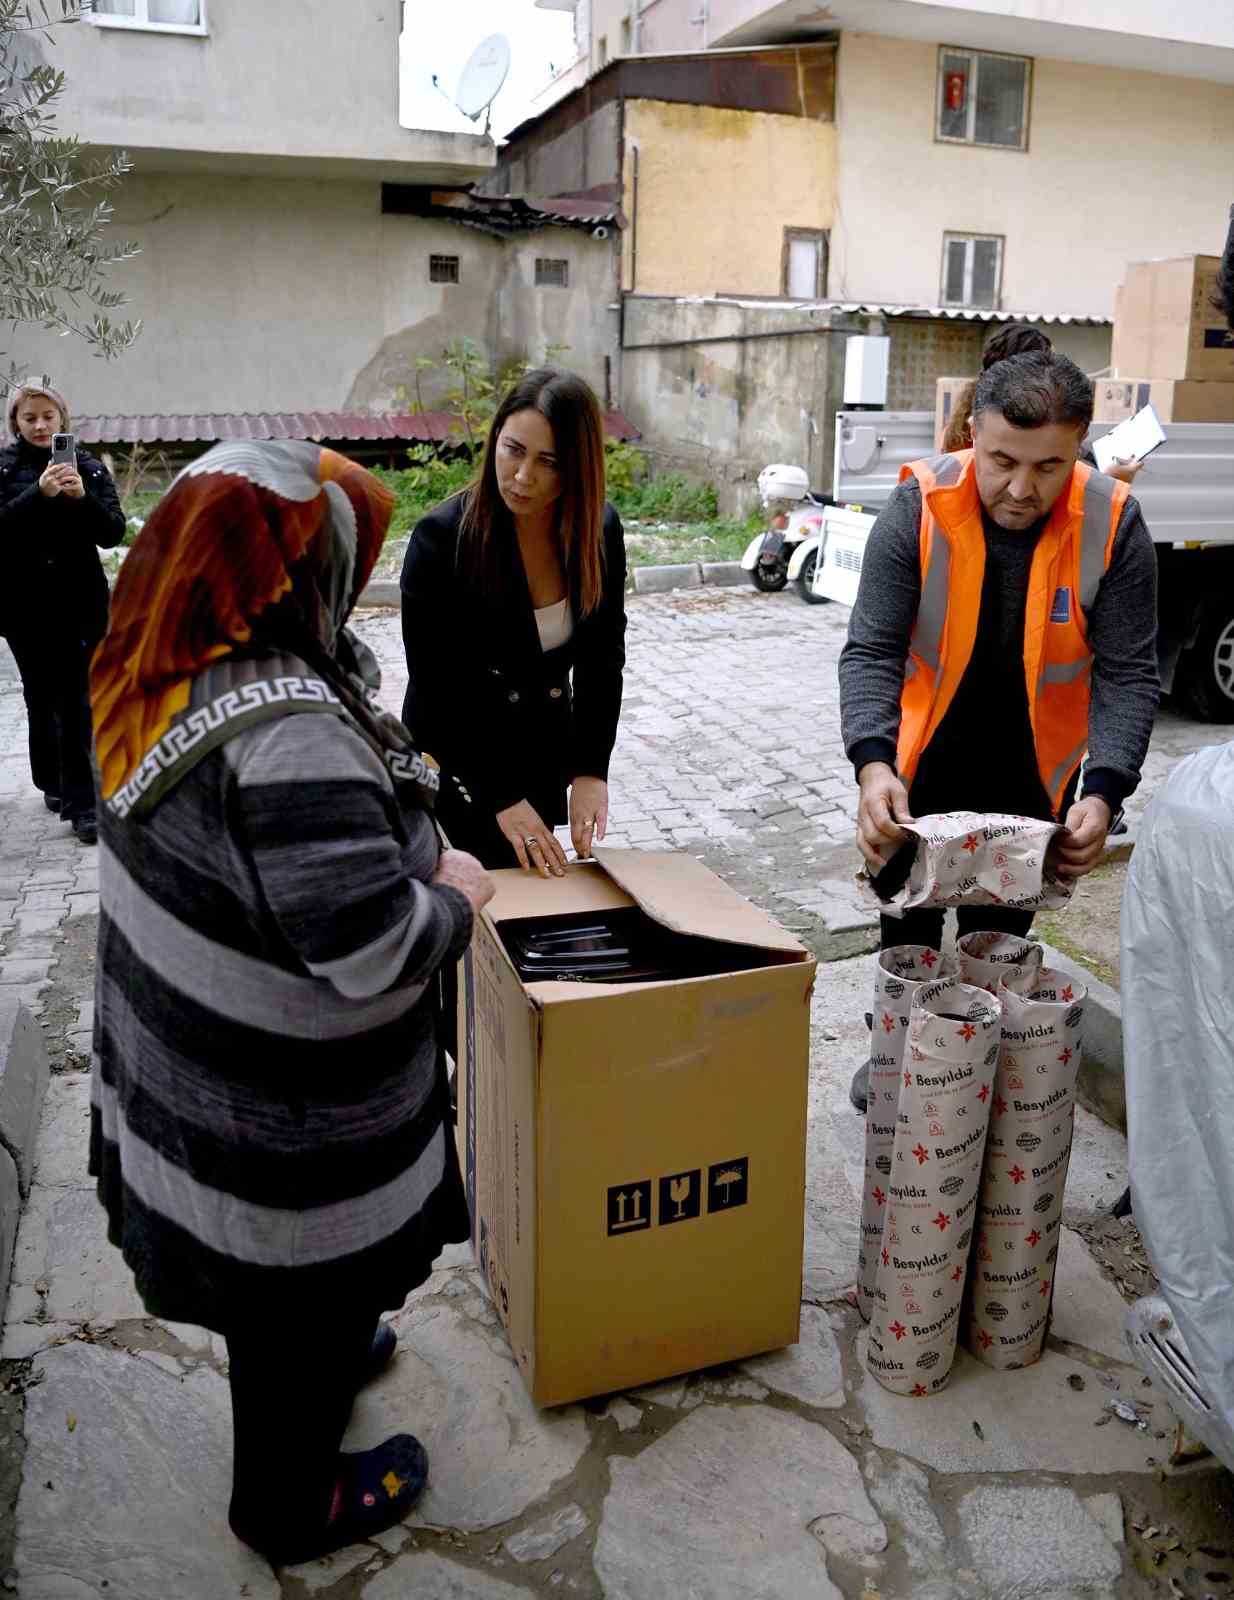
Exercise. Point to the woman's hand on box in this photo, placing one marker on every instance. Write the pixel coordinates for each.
(464, 873)
(532, 840)
(588, 813)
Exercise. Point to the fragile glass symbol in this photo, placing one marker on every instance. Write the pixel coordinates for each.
(679, 1193)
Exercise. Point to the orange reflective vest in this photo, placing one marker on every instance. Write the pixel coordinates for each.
(1071, 558)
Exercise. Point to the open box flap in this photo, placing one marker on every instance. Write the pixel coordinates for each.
(679, 892)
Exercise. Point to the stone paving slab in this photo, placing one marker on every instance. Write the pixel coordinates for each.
(842, 1489)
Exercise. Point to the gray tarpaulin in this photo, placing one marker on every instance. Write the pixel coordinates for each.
(1178, 1046)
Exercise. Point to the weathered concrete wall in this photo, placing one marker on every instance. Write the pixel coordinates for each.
(303, 296)
(584, 318)
(582, 157)
(285, 78)
(725, 409)
(716, 190)
(1096, 136)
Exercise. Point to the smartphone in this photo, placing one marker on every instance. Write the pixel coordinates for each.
(64, 450)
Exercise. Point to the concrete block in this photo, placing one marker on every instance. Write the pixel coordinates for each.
(729, 573)
(1101, 1085)
(659, 580)
(10, 1216)
(24, 1071)
(381, 592)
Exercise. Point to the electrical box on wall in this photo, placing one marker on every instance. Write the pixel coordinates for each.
(865, 369)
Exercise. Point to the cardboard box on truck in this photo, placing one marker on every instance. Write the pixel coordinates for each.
(946, 392)
(634, 1152)
(1166, 324)
(1174, 399)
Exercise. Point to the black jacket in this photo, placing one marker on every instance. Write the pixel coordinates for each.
(482, 697)
(53, 577)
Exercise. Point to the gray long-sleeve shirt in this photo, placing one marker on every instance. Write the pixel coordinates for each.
(981, 757)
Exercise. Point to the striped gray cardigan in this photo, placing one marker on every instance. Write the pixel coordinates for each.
(269, 1119)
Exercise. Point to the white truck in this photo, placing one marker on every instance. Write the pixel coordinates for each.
(1186, 492)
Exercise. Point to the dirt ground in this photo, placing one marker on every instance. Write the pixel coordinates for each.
(1087, 929)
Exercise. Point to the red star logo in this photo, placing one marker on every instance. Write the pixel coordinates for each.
(985, 1338)
(922, 1154)
(1045, 1287)
(957, 1275)
(920, 1389)
(942, 1222)
(1068, 993)
(889, 1022)
(1017, 1174)
(1034, 1238)
(971, 844)
(908, 1080)
(967, 1031)
(898, 1329)
(1065, 1055)
(983, 1094)
(1000, 1105)
(928, 958)
(886, 1256)
(878, 1196)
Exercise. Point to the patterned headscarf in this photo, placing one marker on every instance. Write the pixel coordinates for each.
(241, 578)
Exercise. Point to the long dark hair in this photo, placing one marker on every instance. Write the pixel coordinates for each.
(571, 410)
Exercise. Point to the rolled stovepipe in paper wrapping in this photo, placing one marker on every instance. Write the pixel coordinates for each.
(898, 974)
(984, 959)
(1028, 1150)
(941, 1121)
(967, 858)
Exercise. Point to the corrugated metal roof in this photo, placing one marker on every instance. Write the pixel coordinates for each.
(887, 308)
(427, 427)
(498, 214)
(882, 308)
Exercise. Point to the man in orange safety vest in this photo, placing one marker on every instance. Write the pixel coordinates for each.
(1003, 639)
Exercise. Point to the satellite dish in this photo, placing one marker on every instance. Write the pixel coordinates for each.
(483, 76)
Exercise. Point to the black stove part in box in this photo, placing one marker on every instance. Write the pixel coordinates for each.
(624, 946)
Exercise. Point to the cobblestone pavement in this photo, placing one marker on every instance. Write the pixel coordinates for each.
(792, 1474)
(730, 747)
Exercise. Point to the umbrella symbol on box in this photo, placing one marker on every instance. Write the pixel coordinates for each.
(936, 1131)
(930, 1109)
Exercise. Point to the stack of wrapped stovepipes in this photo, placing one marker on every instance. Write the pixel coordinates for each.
(969, 1122)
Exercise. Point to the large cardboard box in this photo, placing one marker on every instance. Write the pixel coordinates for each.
(1174, 399)
(634, 1153)
(1166, 324)
(946, 392)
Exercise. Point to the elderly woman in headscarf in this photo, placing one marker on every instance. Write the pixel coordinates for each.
(269, 1122)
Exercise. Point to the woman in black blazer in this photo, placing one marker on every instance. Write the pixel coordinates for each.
(514, 626)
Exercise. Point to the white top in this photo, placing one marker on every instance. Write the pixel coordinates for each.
(555, 625)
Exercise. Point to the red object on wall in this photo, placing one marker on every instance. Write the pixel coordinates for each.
(957, 86)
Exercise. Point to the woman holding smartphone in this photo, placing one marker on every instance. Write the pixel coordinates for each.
(514, 625)
(56, 507)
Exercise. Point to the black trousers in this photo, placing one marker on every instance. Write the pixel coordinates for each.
(926, 927)
(55, 684)
(293, 1383)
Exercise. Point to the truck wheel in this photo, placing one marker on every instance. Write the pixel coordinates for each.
(1204, 681)
(805, 581)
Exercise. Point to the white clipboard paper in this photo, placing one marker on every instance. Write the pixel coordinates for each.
(1131, 440)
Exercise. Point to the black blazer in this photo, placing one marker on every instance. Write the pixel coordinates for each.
(483, 698)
